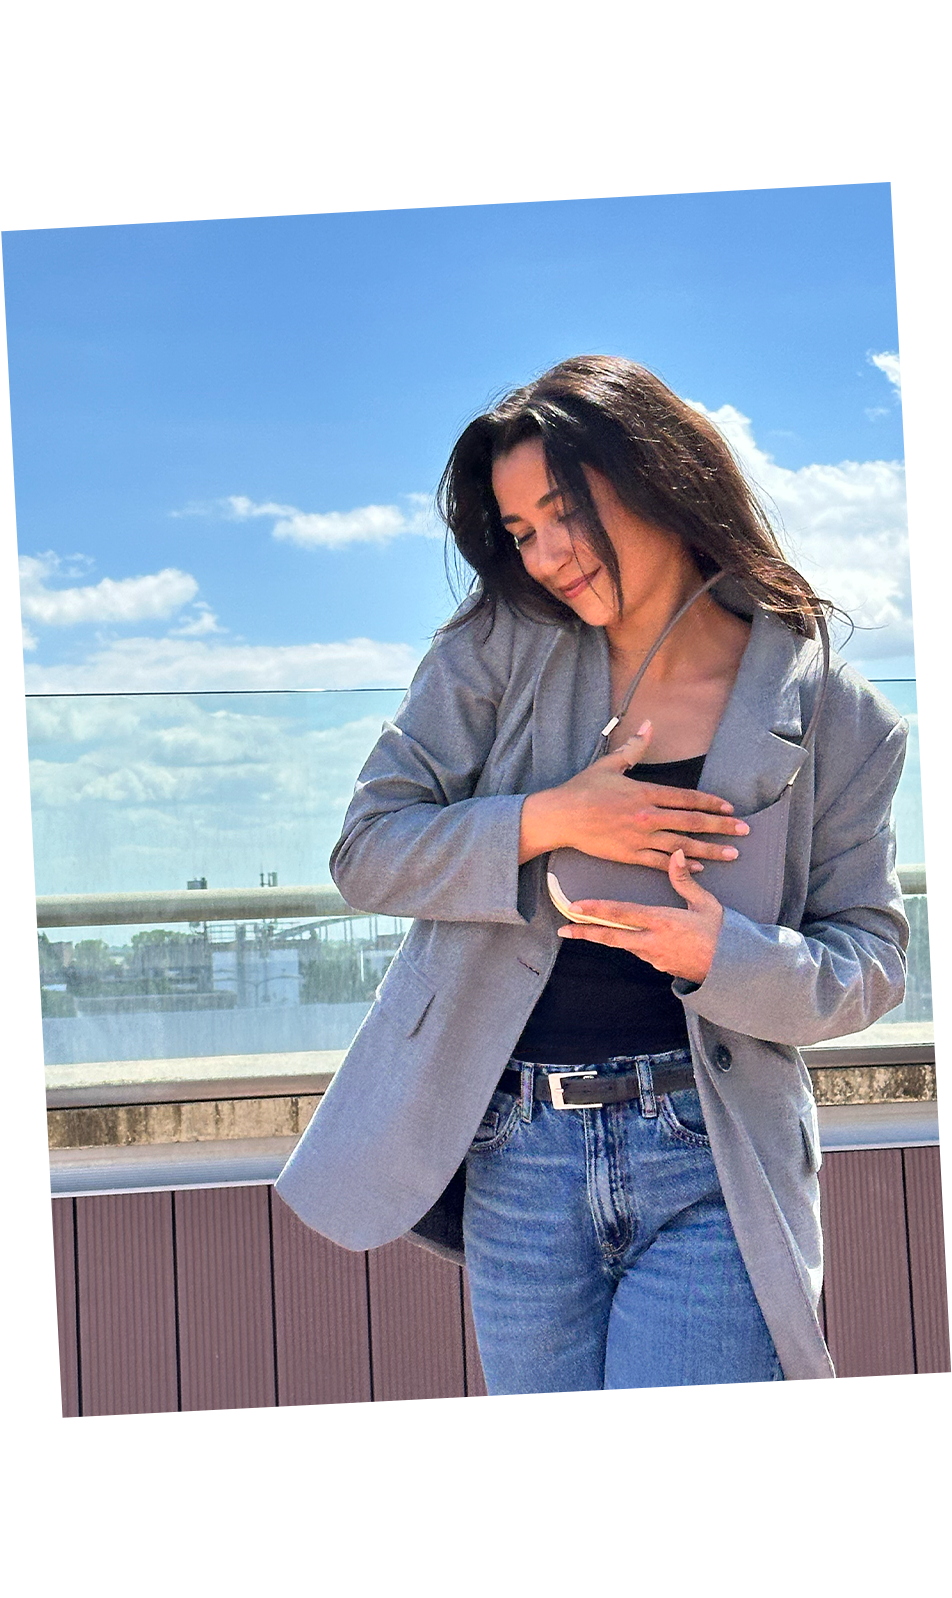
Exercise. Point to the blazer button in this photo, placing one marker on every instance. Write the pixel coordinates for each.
(723, 1058)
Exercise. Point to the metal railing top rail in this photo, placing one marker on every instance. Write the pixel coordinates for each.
(192, 904)
(238, 904)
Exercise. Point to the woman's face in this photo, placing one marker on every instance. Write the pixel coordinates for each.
(550, 537)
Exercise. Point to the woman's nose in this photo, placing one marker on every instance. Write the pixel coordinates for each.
(553, 548)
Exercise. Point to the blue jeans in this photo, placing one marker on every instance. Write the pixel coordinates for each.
(599, 1249)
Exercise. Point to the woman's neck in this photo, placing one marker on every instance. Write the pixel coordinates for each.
(632, 636)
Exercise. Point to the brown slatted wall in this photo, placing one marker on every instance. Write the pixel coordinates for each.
(930, 1305)
(64, 1264)
(31, 1373)
(884, 1300)
(946, 1208)
(867, 1291)
(321, 1316)
(475, 1380)
(226, 1327)
(126, 1303)
(416, 1324)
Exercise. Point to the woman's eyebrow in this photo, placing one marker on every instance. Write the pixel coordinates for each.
(554, 493)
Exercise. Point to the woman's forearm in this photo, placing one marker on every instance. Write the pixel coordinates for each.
(432, 862)
(543, 824)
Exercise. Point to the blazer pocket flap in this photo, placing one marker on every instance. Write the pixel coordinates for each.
(810, 1132)
(404, 997)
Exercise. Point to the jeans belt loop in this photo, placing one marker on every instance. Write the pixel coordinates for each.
(649, 1104)
(527, 1099)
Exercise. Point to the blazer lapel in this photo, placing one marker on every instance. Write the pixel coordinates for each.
(571, 704)
(754, 753)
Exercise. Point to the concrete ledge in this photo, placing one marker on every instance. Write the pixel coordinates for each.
(895, 1061)
(170, 1081)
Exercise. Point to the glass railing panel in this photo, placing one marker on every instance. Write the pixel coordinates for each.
(925, 790)
(201, 1001)
(922, 836)
(135, 794)
(151, 791)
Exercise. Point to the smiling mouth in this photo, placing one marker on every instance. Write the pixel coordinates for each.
(571, 590)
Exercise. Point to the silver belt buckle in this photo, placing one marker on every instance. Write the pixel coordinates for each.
(555, 1080)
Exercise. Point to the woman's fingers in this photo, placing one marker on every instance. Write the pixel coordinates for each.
(682, 880)
(681, 942)
(629, 820)
(691, 799)
(695, 848)
(630, 938)
(631, 917)
(692, 821)
(660, 859)
(629, 753)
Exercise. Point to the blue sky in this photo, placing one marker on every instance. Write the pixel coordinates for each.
(202, 406)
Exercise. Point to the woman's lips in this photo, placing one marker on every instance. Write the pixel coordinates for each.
(572, 590)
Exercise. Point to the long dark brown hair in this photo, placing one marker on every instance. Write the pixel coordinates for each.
(666, 462)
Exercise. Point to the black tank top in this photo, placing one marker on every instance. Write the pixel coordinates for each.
(601, 1002)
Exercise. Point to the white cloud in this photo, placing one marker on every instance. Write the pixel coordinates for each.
(126, 599)
(179, 751)
(844, 527)
(30, 639)
(368, 524)
(917, 376)
(199, 625)
(184, 665)
(336, 529)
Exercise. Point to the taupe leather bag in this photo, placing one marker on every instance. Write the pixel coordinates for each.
(751, 884)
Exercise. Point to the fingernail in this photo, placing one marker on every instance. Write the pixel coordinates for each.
(695, 866)
(645, 727)
(728, 854)
(741, 827)
(726, 809)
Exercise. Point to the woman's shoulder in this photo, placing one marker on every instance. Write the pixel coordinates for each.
(849, 690)
(495, 641)
(856, 718)
(849, 699)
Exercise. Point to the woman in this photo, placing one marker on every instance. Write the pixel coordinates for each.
(638, 1129)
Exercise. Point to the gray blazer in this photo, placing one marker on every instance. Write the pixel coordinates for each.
(433, 833)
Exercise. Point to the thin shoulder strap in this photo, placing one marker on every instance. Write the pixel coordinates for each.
(629, 696)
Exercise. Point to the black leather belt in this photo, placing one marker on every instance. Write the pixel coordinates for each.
(575, 1089)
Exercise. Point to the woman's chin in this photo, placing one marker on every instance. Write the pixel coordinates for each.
(588, 607)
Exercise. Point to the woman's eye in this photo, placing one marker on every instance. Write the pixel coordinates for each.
(523, 540)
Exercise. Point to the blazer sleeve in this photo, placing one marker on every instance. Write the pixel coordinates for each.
(845, 966)
(417, 841)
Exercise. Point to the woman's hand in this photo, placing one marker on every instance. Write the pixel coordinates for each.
(604, 813)
(680, 942)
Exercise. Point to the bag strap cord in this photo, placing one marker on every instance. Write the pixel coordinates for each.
(810, 734)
